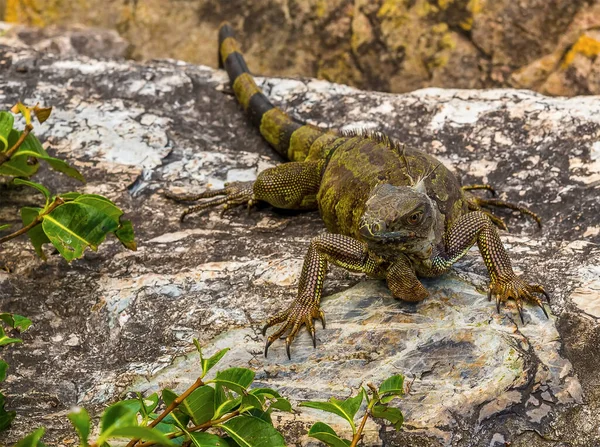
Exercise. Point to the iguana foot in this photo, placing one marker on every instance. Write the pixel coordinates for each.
(233, 195)
(302, 312)
(517, 289)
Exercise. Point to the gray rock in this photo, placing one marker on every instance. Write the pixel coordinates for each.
(72, 40)
(118, 321)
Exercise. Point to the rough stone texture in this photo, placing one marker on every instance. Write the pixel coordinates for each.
(117, 320)
(388, 45)
(66, 41)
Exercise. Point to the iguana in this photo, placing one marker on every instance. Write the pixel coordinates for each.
(391, 211)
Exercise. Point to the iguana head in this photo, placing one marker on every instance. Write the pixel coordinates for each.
(400, 218)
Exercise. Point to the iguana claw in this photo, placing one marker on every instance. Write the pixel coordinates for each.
(300, 313)
(517, 289)
(233, 195)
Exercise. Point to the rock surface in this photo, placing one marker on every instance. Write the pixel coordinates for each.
(116, 320)
(74, 40)
(389, 45)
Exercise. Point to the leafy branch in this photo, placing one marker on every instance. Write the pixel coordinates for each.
(377, 407)
(222, 411)
(16, 323)
(70, 221)
(5, 156)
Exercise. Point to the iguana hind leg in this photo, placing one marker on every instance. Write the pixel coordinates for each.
(338, 249)
(477, 227)
(480, 204)
(291, 185)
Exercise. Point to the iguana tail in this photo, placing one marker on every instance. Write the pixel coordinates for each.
(289, 136)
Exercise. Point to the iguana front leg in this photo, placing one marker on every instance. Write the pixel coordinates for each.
(338, 249)
(291, 185)
(477, 227)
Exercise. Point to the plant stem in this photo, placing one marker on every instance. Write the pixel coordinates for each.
(5, 156)
(361, 427)
(57, 201)
(198, 383)
(200, 427)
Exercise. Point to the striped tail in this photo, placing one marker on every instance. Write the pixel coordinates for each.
(290, 137)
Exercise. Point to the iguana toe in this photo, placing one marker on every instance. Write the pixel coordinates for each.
(518, 290)
(301, 313)
(232, 195)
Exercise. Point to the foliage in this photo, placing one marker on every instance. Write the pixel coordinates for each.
(377, 407)
(14, 323)
(223, 411)
(220, 412)
(70, 221)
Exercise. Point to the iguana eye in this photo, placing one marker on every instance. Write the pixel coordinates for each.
(415, 217)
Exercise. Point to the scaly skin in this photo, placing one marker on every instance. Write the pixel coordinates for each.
(392, 212)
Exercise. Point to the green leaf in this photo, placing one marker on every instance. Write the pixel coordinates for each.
(220, 395)
(55, 163)
(72, 227)
(264, 415)
(5, 227)
(227, 407)
(126, 235)
(40, 188)
(344, 408)
(32, 440)
(207, 440)
(168, 396)
(393, 386)
(101, 203)
(6, 125)
(326, 434)
(394, 415)
(282, 404)
(250, 401)
(5, 339)
(36, 234)
(69, 196)
(268, 392)
(209, 363)
(236, 379)
(15, 321)
(176, 416)
(200, 405)
(3, 369)
(167, 427)
(80, 419)
(6, 417)
(249, 431)
(144, 433)
(20, 166)
(115, 417)
(148, 404)
(132, 404)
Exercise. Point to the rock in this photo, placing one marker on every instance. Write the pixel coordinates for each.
(70, 40)
(388, 45)
(120, 320)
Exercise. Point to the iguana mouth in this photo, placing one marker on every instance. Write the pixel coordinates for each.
(388, 237)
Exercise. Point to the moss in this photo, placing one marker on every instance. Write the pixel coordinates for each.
(321, 8)
(586, 46)
(443, 4)
(341, 69)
